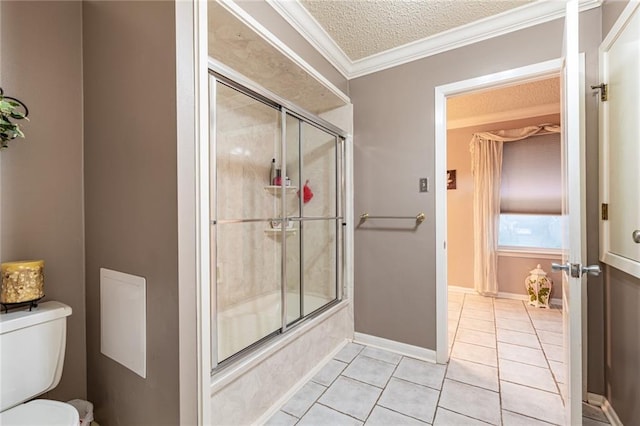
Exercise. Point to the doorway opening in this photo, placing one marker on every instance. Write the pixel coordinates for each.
(481, 308)
(511, 327)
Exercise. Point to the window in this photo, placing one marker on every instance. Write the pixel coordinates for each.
(531, 194)
(530, 231)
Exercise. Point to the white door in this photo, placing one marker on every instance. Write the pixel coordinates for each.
(574, 252)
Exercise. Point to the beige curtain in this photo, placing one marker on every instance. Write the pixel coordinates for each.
(486, 167)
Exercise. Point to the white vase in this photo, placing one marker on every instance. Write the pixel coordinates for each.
(538, 287)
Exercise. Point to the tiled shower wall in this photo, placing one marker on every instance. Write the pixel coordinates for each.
(248, 258)
(248, 133)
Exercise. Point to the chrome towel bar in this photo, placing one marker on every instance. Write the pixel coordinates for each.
(419, 218)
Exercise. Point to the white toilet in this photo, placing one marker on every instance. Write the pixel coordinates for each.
(32, 345)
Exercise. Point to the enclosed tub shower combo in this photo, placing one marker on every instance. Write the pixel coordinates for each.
(276, 216)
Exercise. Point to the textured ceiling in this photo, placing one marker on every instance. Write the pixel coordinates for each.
(240, 48)
(505, 99)
(365, 27)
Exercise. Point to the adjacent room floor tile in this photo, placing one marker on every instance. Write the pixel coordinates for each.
(507, 315)
(455, 297)
(498, 301)
(351, 397)
(329, 372)
(449, 418)
(349, 352)
(482, 314)
(303, 399)
(528, 375)
(421, 372)
(410, 399)
(454, 305)
(514, 324)
(551, 337)
(481, 404)
(476, 324)
(478, 298)
(475, 353)
(473, 373)
(531, 402)
(381, 416)
(547, 325)
(515, 419)
(553, 352)
(518, 338)
(321, 415)
(557, 368)
(476, 337)
(521, 354)
(369, 370)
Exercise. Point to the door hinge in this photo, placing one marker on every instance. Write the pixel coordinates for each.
(605, 211)
(604, 91)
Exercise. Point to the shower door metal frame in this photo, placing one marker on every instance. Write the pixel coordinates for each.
(219, 73)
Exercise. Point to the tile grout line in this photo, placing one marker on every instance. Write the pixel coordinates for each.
(440, 391)
(493, 310)
(544, 353)
(384, 388)
(317, 400)
(457, 381)
(449, 352)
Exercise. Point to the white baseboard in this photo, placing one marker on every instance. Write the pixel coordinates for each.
(458, 289)
(515, 296)
(295, 388)
(501, 294)
(397, 347)
(607, 409)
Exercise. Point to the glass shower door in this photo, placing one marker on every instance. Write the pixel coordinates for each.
(275, 240)
(246, 217)
(320, 218)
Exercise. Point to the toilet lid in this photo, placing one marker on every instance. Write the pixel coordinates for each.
(40, 412)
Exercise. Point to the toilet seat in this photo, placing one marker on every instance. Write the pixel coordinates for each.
(40, 412)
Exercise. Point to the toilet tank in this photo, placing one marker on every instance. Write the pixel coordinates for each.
(32, 345)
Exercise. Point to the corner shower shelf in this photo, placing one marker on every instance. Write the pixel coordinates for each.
(277, 189)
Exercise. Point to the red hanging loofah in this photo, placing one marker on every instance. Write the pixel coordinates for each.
(307, 194)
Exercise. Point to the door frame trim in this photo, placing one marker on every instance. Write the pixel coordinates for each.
(528, 72)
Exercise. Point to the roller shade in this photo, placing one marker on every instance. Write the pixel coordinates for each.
(531, 176)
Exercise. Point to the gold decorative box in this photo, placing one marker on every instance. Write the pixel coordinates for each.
(22, 281)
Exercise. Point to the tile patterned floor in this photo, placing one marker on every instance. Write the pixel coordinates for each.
(505, 368)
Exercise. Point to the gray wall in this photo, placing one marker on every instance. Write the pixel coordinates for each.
(611, 9)
(41, 175)
(622, 306)
(394, 131)
(131, 197)
(623, 344)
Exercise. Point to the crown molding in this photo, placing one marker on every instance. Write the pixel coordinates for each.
(498, 117)
(522, 17)
(310, 29)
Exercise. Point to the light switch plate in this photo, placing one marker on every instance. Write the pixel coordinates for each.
(424, 184)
